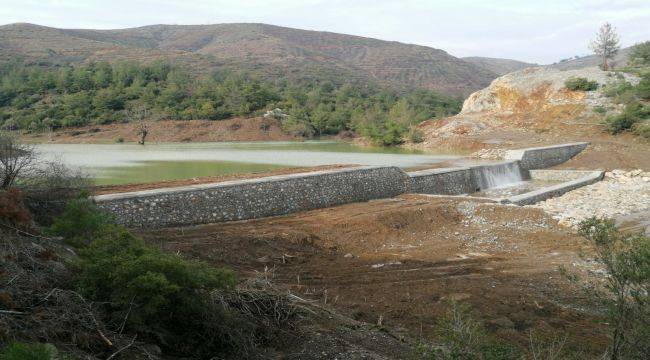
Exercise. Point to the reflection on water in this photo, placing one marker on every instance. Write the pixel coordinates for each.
(129, 163)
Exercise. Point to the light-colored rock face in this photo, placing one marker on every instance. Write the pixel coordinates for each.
(530, 99)
(533, 89)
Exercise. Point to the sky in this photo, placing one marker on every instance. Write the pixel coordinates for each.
(534, 31)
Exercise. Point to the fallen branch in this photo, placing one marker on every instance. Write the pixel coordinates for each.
(123, 348)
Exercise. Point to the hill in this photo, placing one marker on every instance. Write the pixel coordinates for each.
(268, 50)
(498, 66)
(592, 60)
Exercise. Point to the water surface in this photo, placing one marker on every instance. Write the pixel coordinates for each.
(132, 163)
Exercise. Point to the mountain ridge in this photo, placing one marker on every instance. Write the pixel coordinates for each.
(268, 49)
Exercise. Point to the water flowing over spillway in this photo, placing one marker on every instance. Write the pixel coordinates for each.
(499, 175)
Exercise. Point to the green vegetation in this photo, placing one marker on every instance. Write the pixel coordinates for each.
(633, 114)
(34, 98)
(161, 297)
(626, 291)
(640, 54)
(21, 351)
(636, 114)
(462, 337)
(580, 83)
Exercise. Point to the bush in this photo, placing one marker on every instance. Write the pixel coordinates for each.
(119, 140)
(617, 88)
(626, 293)
(580, 83)
(463, 337)
(643, 88)
(642, 129)
(161, 297)
(12, 210)
(640, 54)
(21, 351)
(600, 110)
(632, 114)
(81, 223)
(416, 135)
(50, 187)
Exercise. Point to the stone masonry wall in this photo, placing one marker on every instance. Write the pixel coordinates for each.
(254, 198)
(547, 156)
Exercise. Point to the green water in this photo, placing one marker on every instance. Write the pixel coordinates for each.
(152, 171)
(131, 163)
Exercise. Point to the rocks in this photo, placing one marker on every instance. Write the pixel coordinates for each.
(492, 154)
(620, 193)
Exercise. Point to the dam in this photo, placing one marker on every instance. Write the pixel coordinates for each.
(286, 194)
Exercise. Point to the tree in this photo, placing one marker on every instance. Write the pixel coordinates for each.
(640, 54)
(142, 125)
(606, 44)
(626, 258)
(16, 158)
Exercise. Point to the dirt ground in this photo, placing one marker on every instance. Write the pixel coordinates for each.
(396, 263)
(253, 129)
(606, 152)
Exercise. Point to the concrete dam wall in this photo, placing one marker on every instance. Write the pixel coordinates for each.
(280, 195)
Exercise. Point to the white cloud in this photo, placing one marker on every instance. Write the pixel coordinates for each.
(536, 31)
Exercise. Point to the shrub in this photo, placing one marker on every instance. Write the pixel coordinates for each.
(119, 140)
(161, 297)
(632, 114)
(617, 88)
(416, 135)
(643, 88)
(600, 110)
(22, 351)
(642, 129)
(82, 222)
(580, 83)
(13, 211)
(626, 293)
(640, 54)
(49, 188)
(463, 337)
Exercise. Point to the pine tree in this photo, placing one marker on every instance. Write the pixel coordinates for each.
(606, 44)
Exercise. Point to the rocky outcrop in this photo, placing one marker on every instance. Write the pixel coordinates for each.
(533, 89)
(533, 99)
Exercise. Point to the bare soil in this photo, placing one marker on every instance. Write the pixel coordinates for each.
(396, 263)
(237, 129)
(606, 152)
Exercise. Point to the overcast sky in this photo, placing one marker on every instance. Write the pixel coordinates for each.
(534, 31)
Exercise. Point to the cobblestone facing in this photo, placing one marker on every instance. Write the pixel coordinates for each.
(255, 198)
(450, 181)
(547, 156)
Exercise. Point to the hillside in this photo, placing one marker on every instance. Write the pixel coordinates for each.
(533, 106)
(498, 66)
(266, 49)
(592, 60)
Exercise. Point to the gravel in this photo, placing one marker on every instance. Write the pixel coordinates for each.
(620, 193)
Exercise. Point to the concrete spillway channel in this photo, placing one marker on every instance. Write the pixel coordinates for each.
(280, 195)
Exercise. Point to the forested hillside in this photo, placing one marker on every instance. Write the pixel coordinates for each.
(37, 98)
(267, 51)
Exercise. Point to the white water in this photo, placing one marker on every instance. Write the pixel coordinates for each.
(499, 175)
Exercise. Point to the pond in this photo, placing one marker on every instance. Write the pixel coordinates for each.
(131, 163)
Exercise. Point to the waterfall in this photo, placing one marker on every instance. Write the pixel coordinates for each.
(498, 175)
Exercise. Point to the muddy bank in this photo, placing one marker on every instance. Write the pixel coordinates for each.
(237, 129)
